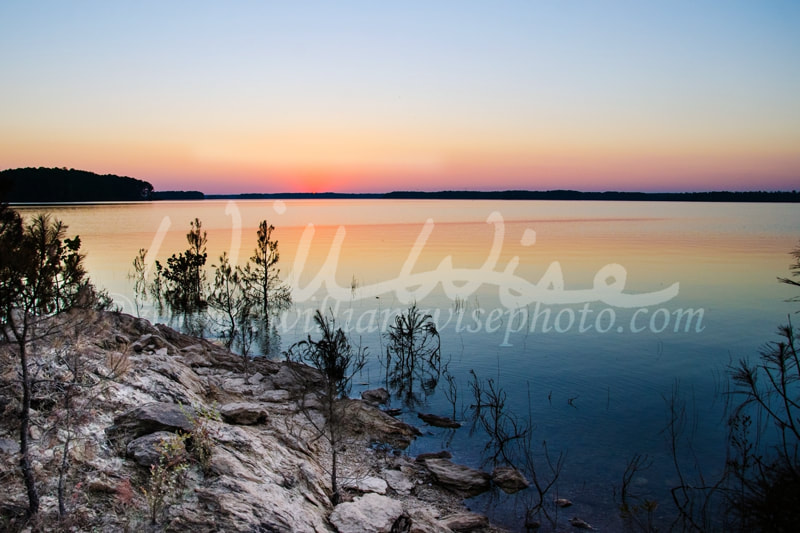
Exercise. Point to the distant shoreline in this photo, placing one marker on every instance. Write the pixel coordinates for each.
(63, 186)
(712, 196)
(696, 197)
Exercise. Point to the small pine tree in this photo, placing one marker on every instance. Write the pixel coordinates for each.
(337, 361)
(183, 281)
(41, 275)
(262, 278)
(230, 299)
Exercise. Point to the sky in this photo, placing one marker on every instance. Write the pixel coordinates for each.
(231, 97)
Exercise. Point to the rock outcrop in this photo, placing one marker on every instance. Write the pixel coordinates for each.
(266, 470)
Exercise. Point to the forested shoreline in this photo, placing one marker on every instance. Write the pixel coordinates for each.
(62, 185)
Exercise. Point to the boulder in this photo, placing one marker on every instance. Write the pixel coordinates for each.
(371, 513)
(439, 421)
(510, 480)
(444, 454)
(145, 450)
(363, 418)
(294, 377)
(458, 478)
(398, 481)
(149, 418)
(464, 522)
(378, 396)
(243, 413)
(367, 484)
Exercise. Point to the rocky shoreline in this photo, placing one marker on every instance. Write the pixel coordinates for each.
(267, 470)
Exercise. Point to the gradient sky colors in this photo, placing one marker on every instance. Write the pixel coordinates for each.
(379, 96)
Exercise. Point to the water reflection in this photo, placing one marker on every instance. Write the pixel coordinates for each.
(413, 357)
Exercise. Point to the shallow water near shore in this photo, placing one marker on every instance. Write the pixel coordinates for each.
(587, 314)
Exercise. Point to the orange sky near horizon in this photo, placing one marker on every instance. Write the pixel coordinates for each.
(374, 98)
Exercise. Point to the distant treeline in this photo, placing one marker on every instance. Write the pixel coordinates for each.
(41, 185)
(178, 195)
(35, 185)
(715, 196)
(293, 195)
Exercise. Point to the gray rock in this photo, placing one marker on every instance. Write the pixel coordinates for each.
(284, 378)
(371, 513)
(256, 378)
(378, 396)
(444, 454)
(236, 385)
(464, 522)
(274, 396)
(509, 479)
(196, 355)
(310, 401)
(244, 413)
(459, 478)
(149, 418)
(174, 370)
(9, 446)
(398, 481)
(153, 342)
(424, 521)
(144, 450)
(367, 484)
(439, 421)
(562, 502)
(579, 523)
(363, 418)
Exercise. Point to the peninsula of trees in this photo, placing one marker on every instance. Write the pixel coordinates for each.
(52, 185)
(39, 185)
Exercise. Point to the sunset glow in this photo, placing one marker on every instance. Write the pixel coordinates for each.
(364, 97)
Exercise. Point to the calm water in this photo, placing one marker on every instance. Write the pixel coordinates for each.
(586, 313)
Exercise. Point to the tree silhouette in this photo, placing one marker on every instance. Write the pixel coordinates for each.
(41, 275)
(262, 278)
(413, 355)
(337, 362)
(182, 281)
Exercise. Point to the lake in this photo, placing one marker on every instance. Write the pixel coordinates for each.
(587, 314)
